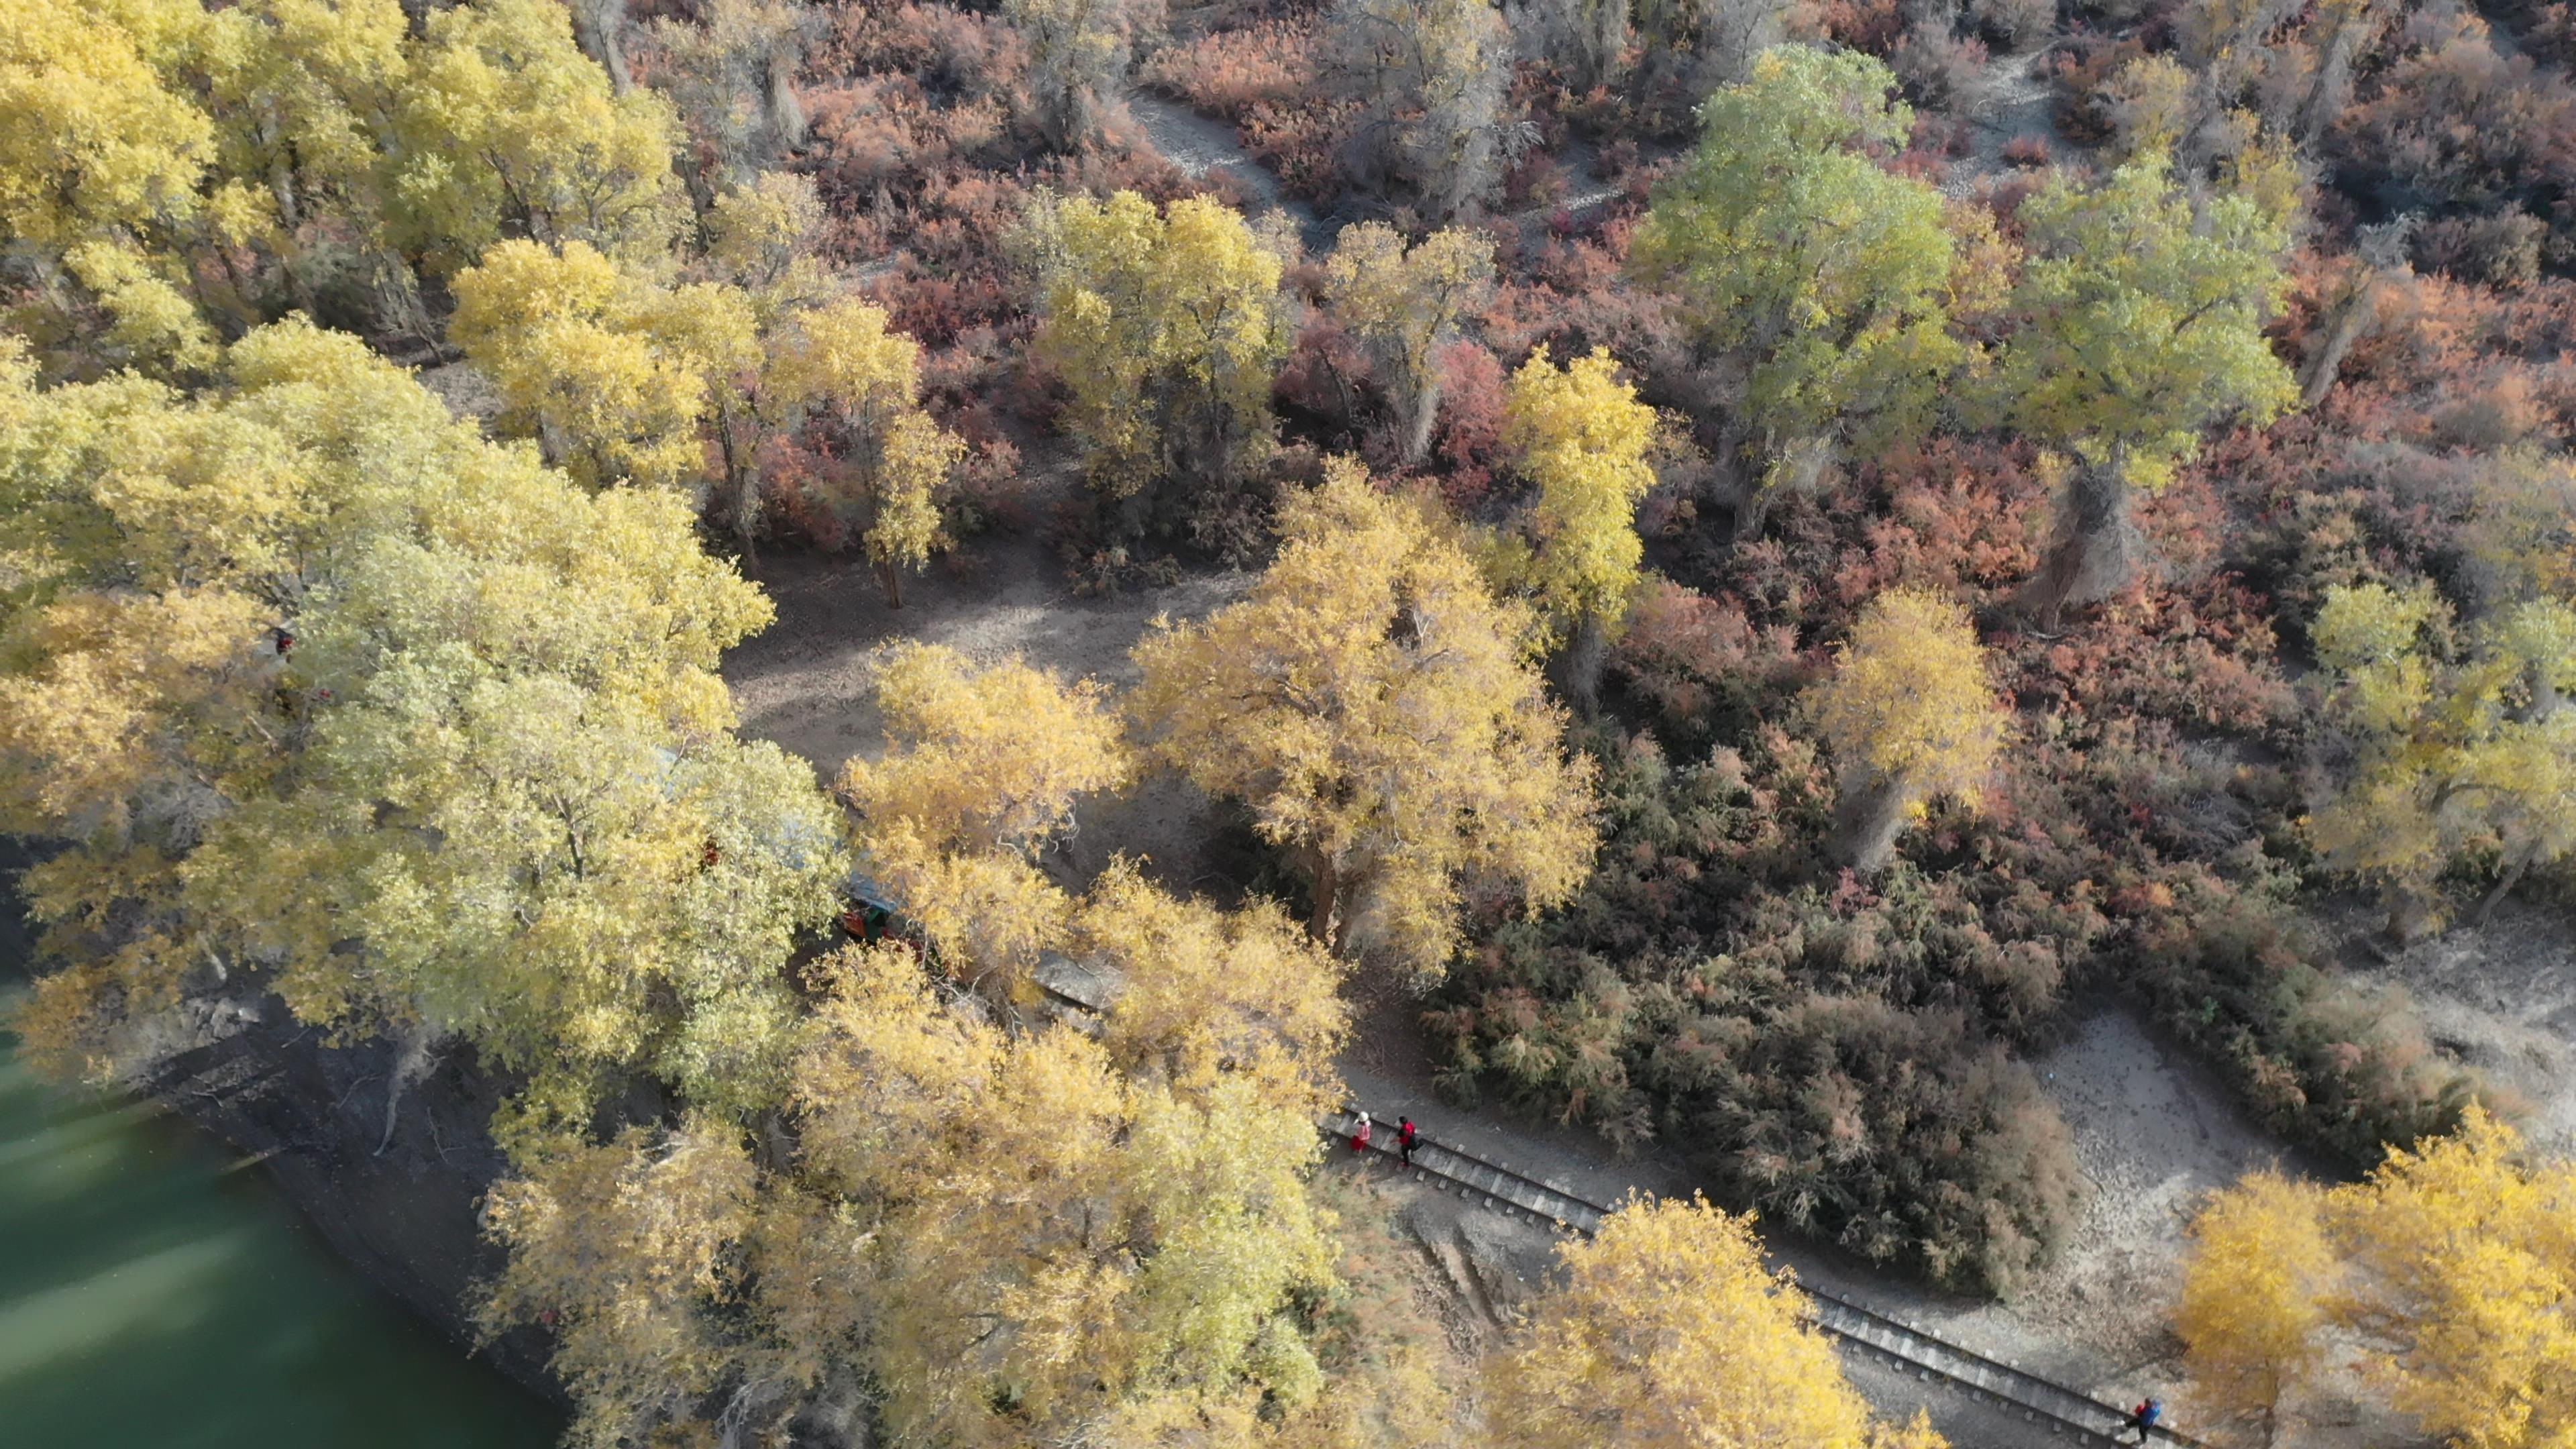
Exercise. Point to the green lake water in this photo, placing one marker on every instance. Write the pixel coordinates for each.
(155, 1295)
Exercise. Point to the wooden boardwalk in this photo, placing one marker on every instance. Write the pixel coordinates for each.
(2071, 1414)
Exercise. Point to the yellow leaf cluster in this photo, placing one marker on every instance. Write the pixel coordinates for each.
(861, 383)
(456, 806)
(1582, 437)
(1167, 328)
(588, 360)
(1057, 1242)
(619, 1248)
(2462, 746)
(2253, 1299)
(174, 163)
(1205, 993)
(981, 770)
(1909, 703)
(1370, 701)
(505, 116)
(2446, 1278)
(1670, 1333)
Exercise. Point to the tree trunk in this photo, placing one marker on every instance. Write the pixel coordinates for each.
(1752, 507)
(1867, 819)
(786, 112)
(1319, 919)
(746, 520)
(1580, 663)
(2097, 549)
(596, 28)
(2409, 915)
(2352, 316)
(893, 574)
(2333, 84)
(2522, 858)
(1422, 413)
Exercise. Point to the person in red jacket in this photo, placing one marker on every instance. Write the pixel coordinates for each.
(1406, 1135)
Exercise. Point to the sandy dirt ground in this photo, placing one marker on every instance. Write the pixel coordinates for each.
(808, 682)
(2499, 998)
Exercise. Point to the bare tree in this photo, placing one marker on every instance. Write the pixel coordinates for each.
(1431, 75)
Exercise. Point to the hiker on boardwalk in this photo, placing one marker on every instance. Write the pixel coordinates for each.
(1406, 1135)
(1360, 1135)
(2145, 1417)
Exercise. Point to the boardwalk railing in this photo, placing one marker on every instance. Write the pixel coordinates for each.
(2066, 1412)
(2069, 1413)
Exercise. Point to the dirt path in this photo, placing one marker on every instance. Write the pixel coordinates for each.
(1197, 145)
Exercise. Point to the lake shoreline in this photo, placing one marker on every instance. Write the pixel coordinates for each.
(311, 1116)
(406, 1219)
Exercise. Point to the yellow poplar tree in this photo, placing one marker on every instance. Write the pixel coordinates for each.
(622, 1249)
(1582, 437)
(506, 122)
(1371, 702)
(1910, 714)
(2446, 1280)
(1055, 1242)
(859, 386)
(360, 745)
(1669, 1332)
(1204, 993)
(980, 772)
(2254, 1299)
(567, 340)
(1403, 302)
(2464, 1259)
(1167, 328)
(103, 172)
(2463, 746)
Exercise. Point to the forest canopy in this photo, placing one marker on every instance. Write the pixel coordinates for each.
(1708, 581)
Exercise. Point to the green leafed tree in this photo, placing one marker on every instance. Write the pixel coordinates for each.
(1818, 282)
(2140, 316)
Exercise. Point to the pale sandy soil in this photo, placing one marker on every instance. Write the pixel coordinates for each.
(2500, 998)
(807, 683)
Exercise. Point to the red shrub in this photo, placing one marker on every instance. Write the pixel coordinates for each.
(2026, 151)
(1470, 430)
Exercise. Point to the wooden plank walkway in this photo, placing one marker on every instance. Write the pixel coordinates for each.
(2069, 1413)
